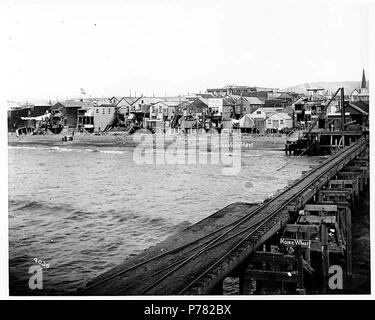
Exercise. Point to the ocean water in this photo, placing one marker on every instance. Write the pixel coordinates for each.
(85, 210)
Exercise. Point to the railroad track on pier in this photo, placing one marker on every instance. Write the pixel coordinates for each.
(198, 259)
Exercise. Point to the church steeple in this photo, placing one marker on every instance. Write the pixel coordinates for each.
(363, 84)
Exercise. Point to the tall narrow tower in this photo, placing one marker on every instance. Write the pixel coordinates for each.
(363, 84)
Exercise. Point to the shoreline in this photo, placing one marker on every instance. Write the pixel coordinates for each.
(247, 142)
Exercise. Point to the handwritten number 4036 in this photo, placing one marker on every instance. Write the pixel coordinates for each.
(41, 262)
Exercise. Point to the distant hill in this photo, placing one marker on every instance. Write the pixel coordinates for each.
(349, 86)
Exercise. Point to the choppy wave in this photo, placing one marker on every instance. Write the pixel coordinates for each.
(91, 208)
(112, 151)
(27, 147)
(64, 149)
(31, 205)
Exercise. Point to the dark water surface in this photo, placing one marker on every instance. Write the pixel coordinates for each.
(85, 210)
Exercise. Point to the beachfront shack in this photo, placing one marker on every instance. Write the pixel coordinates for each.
(104, 115)
(70, 112)
(259, 117)
(279, 121)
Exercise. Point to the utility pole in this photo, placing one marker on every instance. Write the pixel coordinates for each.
(342, 110)
(342, 116)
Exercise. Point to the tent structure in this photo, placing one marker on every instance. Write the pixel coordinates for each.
(246, 122)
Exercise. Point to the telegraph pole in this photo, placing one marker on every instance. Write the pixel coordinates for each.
(342, 116)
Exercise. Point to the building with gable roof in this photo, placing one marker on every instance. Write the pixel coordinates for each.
(279, 121)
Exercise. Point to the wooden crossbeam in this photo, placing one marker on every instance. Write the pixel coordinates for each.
(302, 228)
(334, 192)
(317, 219)
(360, 162)
(348, 174)
(316, 246)
(342, 182)
(334, 195)
(356, 168)
(358, 175)
(272, 275)
(262, 256)
(363, 158)
(320, 207)
(345, 184)
(364, 170)
(340, 205)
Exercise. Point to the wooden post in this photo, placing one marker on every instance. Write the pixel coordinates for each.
(264, 250)
(349, 267)
(320, 197)
(282, 287)
(325, 256)
(241, 283)
(308, 254)
(218, 289)
(300, 281)
(342, 114)
(245, 285)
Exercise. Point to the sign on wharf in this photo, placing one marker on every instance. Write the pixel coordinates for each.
(295, 242)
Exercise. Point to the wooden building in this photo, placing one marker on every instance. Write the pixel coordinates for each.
(279, 121)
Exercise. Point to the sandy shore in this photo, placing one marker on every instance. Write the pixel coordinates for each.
(246, 141)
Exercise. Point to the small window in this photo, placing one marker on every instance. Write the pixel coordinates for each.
(103, 110)
(281, 121)
(109, 110)
(97, 110)
(259, 112)
(269, 121)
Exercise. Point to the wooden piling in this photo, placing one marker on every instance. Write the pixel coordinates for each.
(218, 289)
(246, 285)
(325, 256)
(349, 267)
(300, 275)
(241, 283)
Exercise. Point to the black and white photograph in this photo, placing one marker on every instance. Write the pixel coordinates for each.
(186, 148)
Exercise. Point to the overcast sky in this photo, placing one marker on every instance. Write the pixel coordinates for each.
(175, 47)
